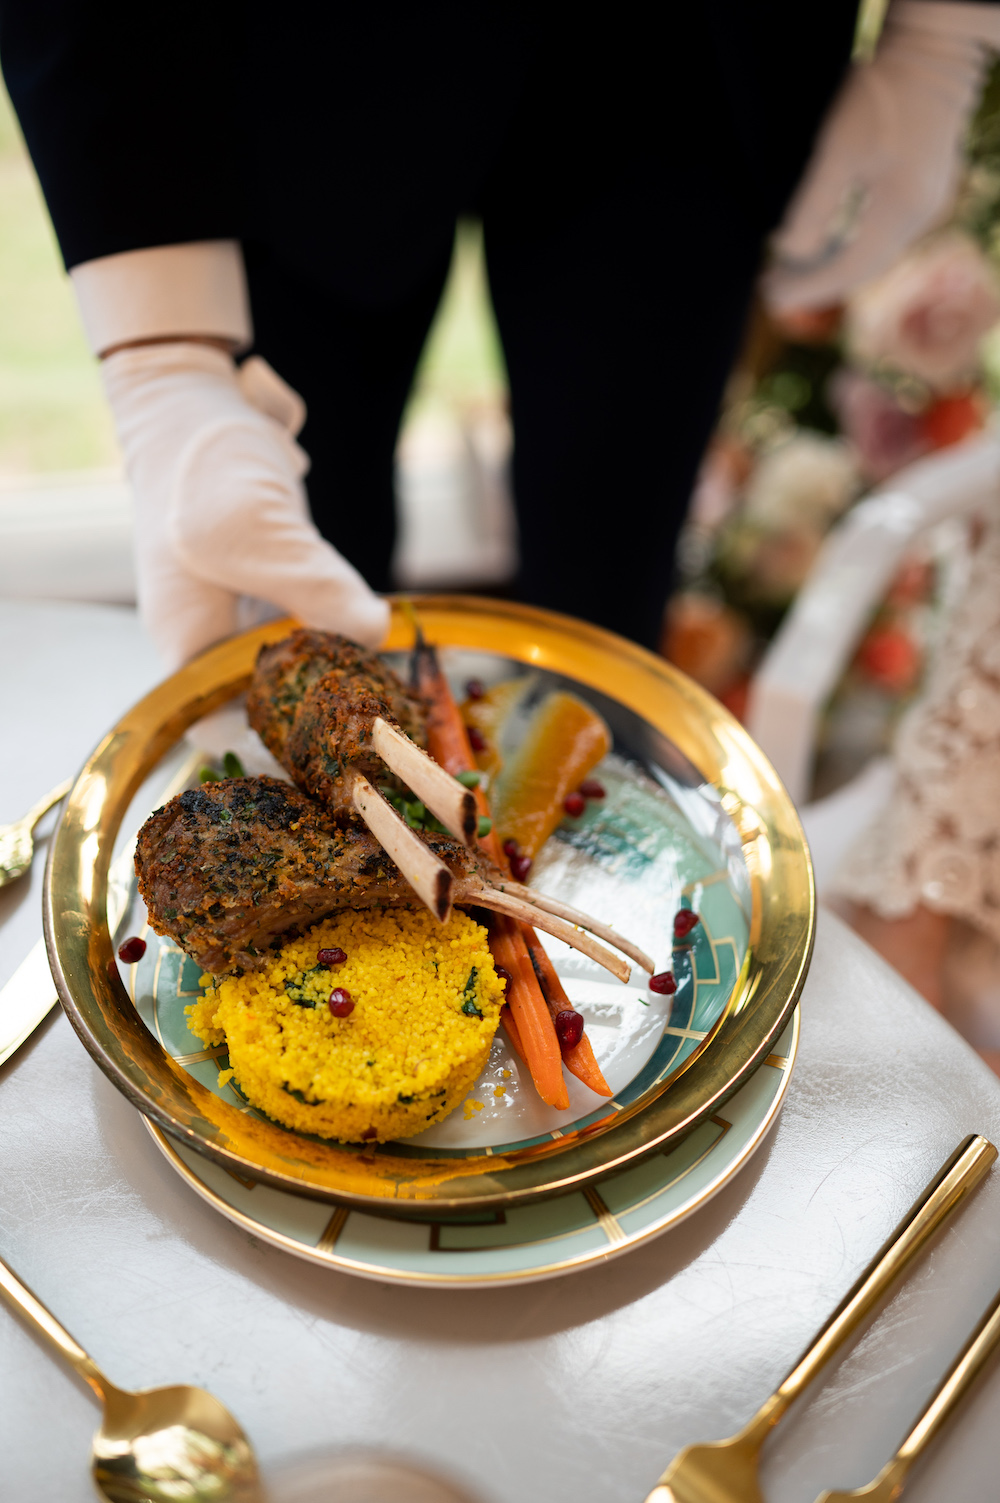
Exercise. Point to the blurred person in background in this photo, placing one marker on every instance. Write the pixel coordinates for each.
(933, 854)
(257, 210)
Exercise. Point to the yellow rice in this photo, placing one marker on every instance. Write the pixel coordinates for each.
(402, 1060)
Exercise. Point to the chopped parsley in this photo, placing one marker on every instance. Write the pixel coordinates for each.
(295, 986)
(469, 995)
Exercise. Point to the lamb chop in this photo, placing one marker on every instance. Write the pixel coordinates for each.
(228, 868)
(329, 710)
(286, 670)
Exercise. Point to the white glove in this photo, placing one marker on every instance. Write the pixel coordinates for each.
(888, 158)
(220, 510)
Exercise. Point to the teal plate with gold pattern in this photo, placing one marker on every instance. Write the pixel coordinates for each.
(521, 1244)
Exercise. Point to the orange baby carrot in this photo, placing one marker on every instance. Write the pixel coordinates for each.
(535, 1029)
(507, 1019)
(447, 737)
(448, 744)
(580, 1059)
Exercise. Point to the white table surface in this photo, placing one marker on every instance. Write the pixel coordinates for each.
(578, 1389)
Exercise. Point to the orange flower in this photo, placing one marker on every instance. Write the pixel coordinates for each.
(950, 419)
(706, 640)
(890, 659)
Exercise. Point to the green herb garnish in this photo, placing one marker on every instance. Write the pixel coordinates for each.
(295, 987)
(469, 995)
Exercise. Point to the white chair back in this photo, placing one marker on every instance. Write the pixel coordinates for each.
(814, 644)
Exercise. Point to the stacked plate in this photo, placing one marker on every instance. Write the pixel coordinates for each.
(506, 1189)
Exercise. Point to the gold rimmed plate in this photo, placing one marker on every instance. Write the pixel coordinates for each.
(694, 813)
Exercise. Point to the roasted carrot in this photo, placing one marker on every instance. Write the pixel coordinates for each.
(448, 743)
(579, 1060)
(447, 737)
(535, 1029)
(507, 1019)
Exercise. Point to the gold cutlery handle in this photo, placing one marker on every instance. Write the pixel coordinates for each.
(43, 806)
(967, 1366)
(20, 1298)
(954, 1181)
(979, 1348)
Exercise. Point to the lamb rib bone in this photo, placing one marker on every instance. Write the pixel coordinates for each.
(446, 798)
(426, 873)
(437, 887)
(485, 895)
(584, 920)
(456, 808)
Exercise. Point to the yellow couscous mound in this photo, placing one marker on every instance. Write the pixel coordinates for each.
(426, 1006)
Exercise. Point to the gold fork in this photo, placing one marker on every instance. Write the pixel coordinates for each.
(890, 1481)
(16, 845)
(725, 1471)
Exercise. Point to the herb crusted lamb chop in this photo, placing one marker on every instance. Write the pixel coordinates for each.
(228, 868)
(287, 670)
(331, 712)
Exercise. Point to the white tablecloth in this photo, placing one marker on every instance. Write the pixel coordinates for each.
(581, 1388)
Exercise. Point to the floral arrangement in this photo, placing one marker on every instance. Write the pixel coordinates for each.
(818, 412)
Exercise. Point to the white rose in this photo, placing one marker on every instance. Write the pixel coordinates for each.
(808, 481)
(928, 315)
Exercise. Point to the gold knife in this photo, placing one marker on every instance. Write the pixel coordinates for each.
(28, 996)
(30, 993)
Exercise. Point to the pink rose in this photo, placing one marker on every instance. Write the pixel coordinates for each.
(927, 316)
(884, 436)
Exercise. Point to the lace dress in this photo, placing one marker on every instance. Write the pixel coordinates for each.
(938, 840)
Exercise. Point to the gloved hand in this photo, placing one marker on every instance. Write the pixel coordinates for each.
(220, 511)
(887, 160)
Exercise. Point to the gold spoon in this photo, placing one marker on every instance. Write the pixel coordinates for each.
(158, 1446)
(725, 1471)
(16, 845)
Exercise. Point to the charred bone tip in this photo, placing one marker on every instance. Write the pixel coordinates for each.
(443, 895)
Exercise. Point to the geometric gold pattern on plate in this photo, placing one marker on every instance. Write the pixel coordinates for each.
(516, 1245)
(664, 724)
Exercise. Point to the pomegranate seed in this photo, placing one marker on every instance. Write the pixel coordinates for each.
(475, 689)
(504, 974)
(334, 956)
(510, 848)
(663, 982)
(520, 866)
(574, 804)
(340, 1003)
(131, 950)
(366, 1137)
(684, 921)
(476, 738)
(591, 788)
(569, 1029)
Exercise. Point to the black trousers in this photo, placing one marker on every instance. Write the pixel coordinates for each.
(622, 240)
(627, 164)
